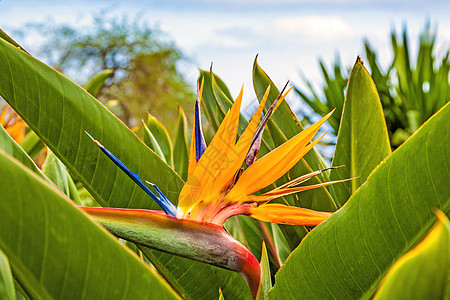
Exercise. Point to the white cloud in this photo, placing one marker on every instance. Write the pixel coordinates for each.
(278, 32)
(324, 28)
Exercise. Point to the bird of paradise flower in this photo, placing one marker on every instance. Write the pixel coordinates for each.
(13, 123)
(222, 181)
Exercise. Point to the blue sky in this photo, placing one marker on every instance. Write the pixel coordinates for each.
(288, 35)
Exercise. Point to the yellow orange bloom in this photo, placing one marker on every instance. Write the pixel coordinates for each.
(13, 124)
(218, 187)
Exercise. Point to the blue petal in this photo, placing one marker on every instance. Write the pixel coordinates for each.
(200, 144)
(162, 201)
(160, 193)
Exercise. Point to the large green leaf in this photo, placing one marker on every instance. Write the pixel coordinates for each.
(363, 140)
(56, 172)
(59, 111)
(213, 113)
(57, 252)
(162, 137)
(10, 146)
(32, 144)
(7, 291)
(347, 255)
(421, 273)
(266, 281)
(7, 38)
(150, 140)
(181, 145)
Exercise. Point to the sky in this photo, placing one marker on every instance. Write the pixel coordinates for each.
(289, 36)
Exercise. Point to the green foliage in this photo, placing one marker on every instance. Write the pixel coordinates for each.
(150, 140)
(410, 91)
(346, 256)
(56, 171)
(7, 291)
(54, 92)
(421, 273)
(8, 145)
(362, 124)
(155, 135)
(32, 144)
(266, 282)
(96, 82)
(161, 136)
(181, 145)
(389, 210)
(214, 112)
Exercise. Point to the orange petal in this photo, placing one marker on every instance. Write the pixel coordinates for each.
(234, 160)
(212, 159)
(287, 191)
(290, 215)
(236, 156)
(17, 130)
(3, 115)
(275, 164)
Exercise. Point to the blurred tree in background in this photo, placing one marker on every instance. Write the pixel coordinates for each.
(410, 91)
(145, 64)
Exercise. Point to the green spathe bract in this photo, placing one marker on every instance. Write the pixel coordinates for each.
(203, 242)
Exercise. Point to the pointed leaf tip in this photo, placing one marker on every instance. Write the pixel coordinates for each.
(359, 60)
